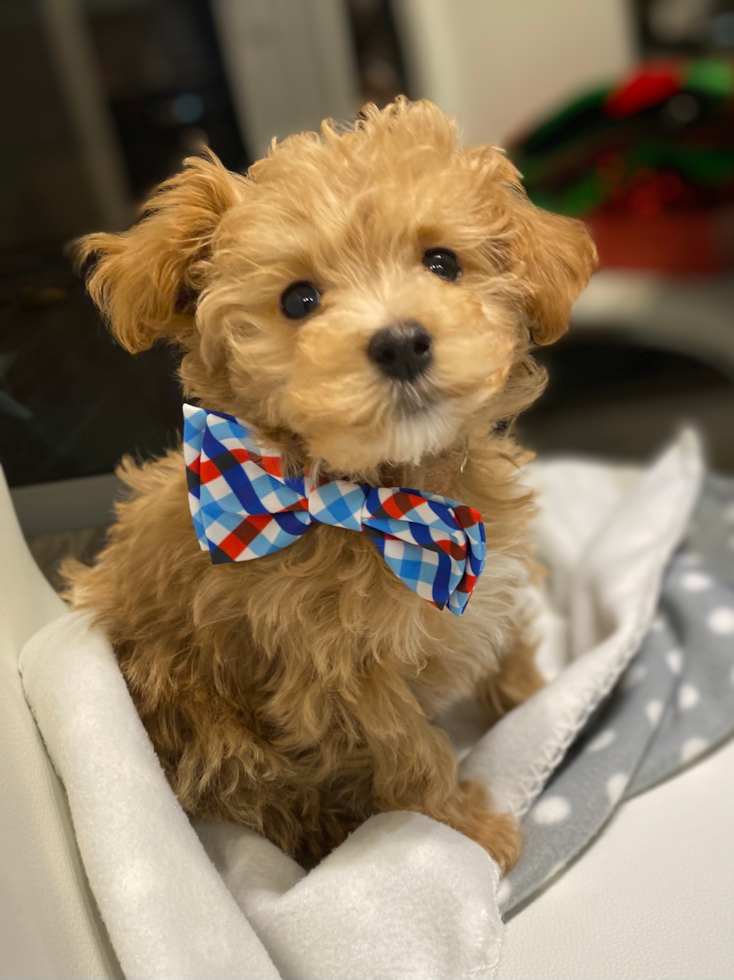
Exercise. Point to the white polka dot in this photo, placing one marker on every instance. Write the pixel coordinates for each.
(729, 514)
(602, 740)
(659, 624)
(654, 712)
(674, 660)
(692, 748)
(695, 582)
(504, 891)
(688, 697)
(636, 673)
(616, 785)
(553, 809)
(721, 621)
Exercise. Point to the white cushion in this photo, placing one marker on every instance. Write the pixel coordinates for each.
(653, 897)
(50, 924)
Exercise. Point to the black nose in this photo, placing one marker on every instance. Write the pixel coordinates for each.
(402, 351)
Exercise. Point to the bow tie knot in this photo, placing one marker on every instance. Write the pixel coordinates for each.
(244, 508)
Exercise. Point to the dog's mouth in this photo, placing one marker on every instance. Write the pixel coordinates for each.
(394, 423)
(413, 399)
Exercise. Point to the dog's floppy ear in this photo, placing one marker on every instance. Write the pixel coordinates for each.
(555, 257)
(144, 279)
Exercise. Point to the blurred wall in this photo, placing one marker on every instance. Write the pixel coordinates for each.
(499, 64)
(290, 65)
(45, 189)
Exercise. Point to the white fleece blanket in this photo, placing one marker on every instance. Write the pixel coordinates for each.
(404, 896)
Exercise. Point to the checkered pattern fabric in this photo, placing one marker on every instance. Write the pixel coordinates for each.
(243, 508)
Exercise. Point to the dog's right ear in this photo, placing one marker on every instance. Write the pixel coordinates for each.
(143, 279)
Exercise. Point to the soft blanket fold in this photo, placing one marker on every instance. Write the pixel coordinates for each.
(403, 896)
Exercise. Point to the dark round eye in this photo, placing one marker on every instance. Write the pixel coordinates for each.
(442, 263)
(300, 299)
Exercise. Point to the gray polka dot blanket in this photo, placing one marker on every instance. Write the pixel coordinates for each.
(663, 693)
(636, 627)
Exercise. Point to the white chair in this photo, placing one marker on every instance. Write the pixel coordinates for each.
(653, 897)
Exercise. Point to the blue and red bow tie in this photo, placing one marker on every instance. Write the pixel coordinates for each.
(243, 508)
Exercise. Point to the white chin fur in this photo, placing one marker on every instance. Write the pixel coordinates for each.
(409, 440)
(405, 440)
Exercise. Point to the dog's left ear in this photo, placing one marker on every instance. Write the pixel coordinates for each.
(555, 257)
(143, 280)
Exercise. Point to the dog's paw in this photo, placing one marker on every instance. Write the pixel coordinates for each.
(497, 833)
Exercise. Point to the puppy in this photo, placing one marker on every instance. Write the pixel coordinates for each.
(366, 301)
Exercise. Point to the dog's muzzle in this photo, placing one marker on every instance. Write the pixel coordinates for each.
(402, 351)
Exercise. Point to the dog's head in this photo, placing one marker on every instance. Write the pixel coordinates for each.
(370, 294)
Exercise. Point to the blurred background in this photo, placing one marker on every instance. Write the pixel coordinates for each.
(619, 112)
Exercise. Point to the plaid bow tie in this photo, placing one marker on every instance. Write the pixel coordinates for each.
(243, 508)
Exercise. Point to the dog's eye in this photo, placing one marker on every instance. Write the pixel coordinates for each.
(300, 299)
(442, 263)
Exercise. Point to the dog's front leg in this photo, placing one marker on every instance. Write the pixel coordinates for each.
(415, 769)
(514, 681)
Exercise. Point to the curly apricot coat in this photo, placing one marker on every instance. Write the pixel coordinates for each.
(294, 694)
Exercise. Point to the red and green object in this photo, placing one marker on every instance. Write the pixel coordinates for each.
(648, 163)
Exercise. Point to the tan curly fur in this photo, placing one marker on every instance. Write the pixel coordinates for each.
(294, 694)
